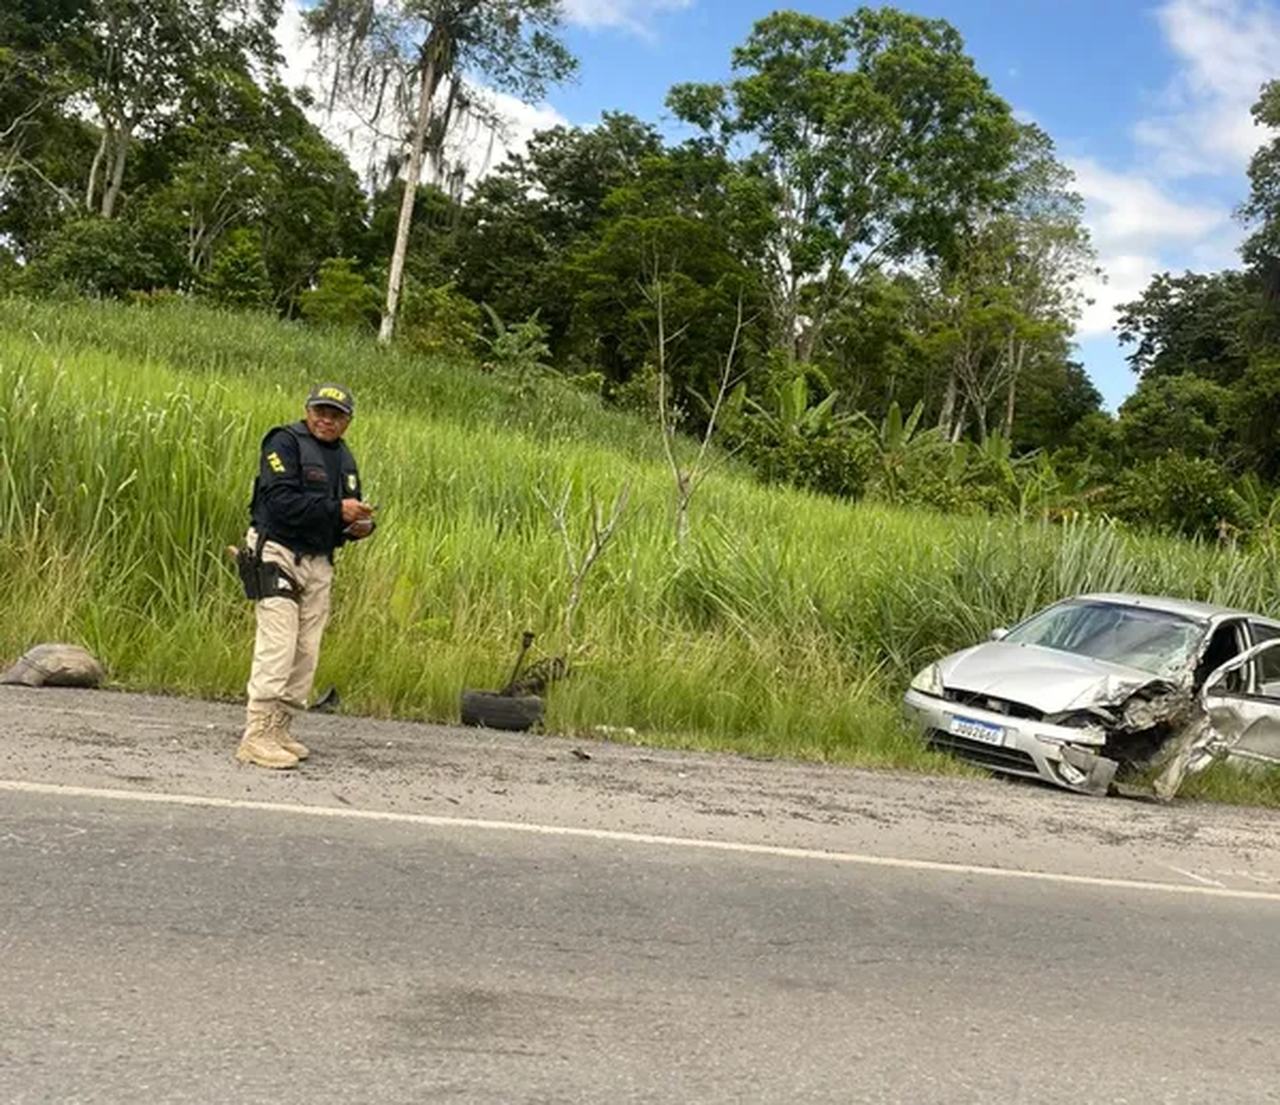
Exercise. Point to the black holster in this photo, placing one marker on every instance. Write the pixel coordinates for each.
(262, 580)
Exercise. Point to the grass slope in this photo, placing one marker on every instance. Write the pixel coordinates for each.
(788, 624)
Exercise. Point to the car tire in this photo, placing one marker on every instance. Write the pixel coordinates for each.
(489, 710)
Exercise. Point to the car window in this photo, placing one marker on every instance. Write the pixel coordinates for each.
(1149, 640)
(1267, 665)
(1226, 644)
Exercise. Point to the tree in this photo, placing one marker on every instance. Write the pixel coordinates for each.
(1047, 256)
(415, 45)
(1252, 409)
(876, 134)
(1010, 295)
(41, 142)
(431, 257)
(1195, 323)
(141, 57)
(238, 276)
(574, 170)
(210, 169)
(245, 156)
(1186, 413)
(682, 234)
(106, 257)
(341, 297)
(1055, 399)
(874, 351)
(978, 323)
(1177, 493)
(1262, 208)
(519, 231)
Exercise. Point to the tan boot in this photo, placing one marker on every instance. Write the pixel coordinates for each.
(261, 749)
(279, 731)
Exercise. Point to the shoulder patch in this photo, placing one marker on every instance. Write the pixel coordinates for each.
(351, 481)
(274, 461)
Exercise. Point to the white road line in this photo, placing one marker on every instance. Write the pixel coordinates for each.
(614, 836)
(1192, 875)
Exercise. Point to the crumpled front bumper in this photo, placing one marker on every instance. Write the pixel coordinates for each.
(1065, 757)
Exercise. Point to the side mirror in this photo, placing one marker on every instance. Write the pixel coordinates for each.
(998, 634)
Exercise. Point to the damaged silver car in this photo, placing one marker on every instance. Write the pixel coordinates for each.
(1109, 683)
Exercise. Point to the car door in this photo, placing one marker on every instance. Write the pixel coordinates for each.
(1228, 640)
(1268, 669)
(1242, 699)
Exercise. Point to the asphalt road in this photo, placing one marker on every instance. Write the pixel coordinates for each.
(226, 936)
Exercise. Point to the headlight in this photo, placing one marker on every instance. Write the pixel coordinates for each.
(929, 681)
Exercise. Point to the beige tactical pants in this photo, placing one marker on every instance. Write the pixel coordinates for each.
(287, 647)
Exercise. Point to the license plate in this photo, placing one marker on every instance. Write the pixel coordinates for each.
(977, 730)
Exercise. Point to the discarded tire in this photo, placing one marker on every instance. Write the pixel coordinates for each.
(515, 713)
(327, 703)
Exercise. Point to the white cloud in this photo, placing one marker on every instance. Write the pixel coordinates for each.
(477, 146)
(1130, 210)
(1137, 229)
(1147, 220)
(299, 54)
(1125, 275)
(1227, 49)
(628, 15)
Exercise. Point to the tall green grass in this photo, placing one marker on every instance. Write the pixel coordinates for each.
(787, 625)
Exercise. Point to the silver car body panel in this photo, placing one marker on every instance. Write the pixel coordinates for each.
(1004, 702)
(1240, 725)
(1185, 608)
(1014, 746)
(1045, 679)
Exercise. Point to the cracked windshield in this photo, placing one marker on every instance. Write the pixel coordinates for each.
(1149, 640)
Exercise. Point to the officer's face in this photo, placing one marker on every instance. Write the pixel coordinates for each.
(327, 423)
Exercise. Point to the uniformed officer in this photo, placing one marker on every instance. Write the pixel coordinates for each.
(306, 503)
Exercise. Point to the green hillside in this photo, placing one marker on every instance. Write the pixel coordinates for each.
(787, 624)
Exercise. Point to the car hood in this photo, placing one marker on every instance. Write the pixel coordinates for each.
(1049, 681)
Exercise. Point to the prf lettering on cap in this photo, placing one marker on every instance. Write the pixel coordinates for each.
(332, 393)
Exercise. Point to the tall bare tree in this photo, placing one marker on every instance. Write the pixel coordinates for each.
(1014, 291)
(395, 55)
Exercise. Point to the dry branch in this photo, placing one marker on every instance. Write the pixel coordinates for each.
(578, 562)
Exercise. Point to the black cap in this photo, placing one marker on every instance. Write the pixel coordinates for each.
(332, 395)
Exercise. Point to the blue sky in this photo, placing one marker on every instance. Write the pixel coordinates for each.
(1147, 102)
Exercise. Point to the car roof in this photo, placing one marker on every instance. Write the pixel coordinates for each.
(1198, 611)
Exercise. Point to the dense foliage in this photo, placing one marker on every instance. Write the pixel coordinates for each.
(860, 272)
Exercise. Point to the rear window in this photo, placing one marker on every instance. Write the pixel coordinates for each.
(1149, 640)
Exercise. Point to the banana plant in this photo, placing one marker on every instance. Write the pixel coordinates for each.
(900, 443)
(791, 415)
(1257, 506)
